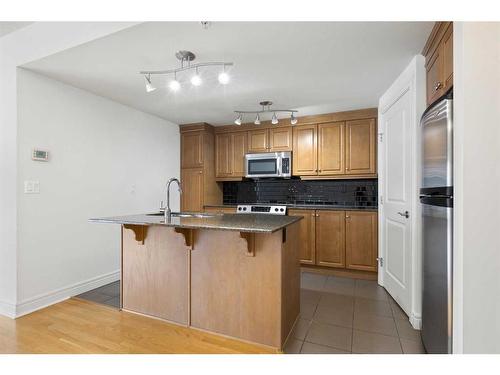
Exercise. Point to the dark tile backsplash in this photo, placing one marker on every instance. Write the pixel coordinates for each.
(358, 193)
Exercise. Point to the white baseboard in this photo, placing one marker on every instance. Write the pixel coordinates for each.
(39, 302)
(416, 321)
(7, 309)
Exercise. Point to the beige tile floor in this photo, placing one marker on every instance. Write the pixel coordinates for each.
(342, 316)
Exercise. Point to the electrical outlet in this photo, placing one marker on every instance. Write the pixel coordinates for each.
(31, 187)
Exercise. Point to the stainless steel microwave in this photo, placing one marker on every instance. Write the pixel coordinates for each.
(268, 164)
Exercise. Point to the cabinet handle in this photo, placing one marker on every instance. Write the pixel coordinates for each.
(200, 172)
(347, 217)
(437, 86)
(319, 170)
(405, 214)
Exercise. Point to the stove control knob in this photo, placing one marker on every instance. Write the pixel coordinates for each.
(244, 208)
(276, 209)
(281, 209)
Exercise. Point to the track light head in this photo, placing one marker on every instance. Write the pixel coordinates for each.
(293, 119)
(174, 85)
(149, 85)
(274, 119)
(238, 119)
(224, 78)
(257, 120)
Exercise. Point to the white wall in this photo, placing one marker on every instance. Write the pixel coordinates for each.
(105, 159)
(477, 183)
(27, 44)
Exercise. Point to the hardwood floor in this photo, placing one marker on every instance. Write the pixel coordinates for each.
(77, 326)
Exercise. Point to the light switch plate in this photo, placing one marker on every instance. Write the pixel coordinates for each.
(31, 187)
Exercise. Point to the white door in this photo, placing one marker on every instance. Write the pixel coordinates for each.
(395, 144)
(400, 268)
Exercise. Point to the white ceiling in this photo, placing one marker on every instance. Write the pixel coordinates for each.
(314, 67)
(9, 27)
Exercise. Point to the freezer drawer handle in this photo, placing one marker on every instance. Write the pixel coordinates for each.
(405, 214)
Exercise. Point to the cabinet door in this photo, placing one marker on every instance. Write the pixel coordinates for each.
(280, 139)
(258, 140)
(361, 240)
(305, 151)
(223, 155)
(448, 58)
(192, 149)
(221, 210)
(239, 141)
(435, 82)
(331, 148)
(192, 190)
(330, 238)
(360, 147)
(307, 235)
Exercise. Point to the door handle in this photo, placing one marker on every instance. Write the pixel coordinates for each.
(405, 214)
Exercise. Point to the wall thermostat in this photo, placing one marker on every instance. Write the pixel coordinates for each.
(40, 155)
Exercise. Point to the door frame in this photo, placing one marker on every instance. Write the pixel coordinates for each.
(412, 80)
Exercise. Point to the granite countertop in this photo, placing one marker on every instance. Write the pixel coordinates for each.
(252, 223)
(307, 206)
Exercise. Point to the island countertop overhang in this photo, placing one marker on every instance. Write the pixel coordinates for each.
(251, 223)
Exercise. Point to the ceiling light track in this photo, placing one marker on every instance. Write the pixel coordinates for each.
(266, 108)
(185, 58)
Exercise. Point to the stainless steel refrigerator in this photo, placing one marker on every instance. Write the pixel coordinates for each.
(436, 198)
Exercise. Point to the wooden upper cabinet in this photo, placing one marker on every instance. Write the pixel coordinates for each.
(331, 148)
(230, 149)
(258, 140)
(330, 238)
(361, 240)
(448, 57)
(434, 79)
(193, 189)
(305, 150)
(307, 235)
(192, 149)
(360, 154)
(280, 139)
(438, 53)
(239, 140)
(223, 155)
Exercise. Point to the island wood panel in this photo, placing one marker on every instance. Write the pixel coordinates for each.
(306, 235)
(361, 147)
(280, 139)
(305, 151)
(258, 140)
(192, 149)
(155, 274)
(192, 190)
(290, 280)
(234, 294)
(221, 210)
(361, 240)
(330, 238)
(331, 148)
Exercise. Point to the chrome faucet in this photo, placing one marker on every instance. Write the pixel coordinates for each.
(168, 211)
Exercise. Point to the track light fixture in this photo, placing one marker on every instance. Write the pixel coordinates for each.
(186, 57)
(149, 85)
(266, 108)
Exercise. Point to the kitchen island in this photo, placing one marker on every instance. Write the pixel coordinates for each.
(233, 275)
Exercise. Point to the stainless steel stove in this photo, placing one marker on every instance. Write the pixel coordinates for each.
(260, 209)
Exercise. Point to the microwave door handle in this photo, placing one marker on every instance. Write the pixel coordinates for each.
(278, 160)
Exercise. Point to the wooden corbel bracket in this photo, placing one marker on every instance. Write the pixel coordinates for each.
(250, 240)
(140, 231)
(188, 235)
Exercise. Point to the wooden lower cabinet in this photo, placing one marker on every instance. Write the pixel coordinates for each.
(338, 239)
(307, 235)
(361, 240)
(192, 192)
(330, 238)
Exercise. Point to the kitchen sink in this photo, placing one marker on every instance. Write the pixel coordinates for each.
(186, 214)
